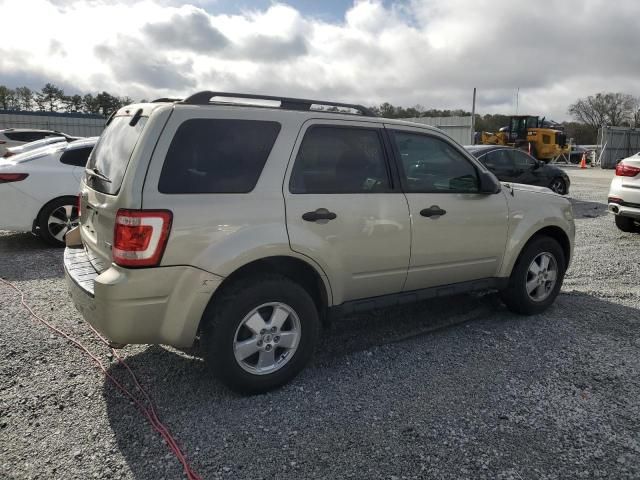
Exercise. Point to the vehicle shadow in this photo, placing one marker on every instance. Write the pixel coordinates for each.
(587, 209)
(453, 355)
(27, 257)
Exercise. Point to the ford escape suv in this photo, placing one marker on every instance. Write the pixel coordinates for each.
(248, 220)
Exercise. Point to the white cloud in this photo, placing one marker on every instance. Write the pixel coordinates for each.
(428, 52)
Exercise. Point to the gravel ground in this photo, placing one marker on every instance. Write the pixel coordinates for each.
(456, 388)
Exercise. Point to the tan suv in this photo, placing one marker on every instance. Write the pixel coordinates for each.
(247, 225)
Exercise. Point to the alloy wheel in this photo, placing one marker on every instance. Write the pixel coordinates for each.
(542, 276)
(267, 338)
(61, 220)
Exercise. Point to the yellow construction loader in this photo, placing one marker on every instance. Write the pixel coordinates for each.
(543, 141)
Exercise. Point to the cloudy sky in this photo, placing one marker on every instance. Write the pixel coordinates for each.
(427, 52)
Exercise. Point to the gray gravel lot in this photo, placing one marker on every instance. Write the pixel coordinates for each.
(456, 388)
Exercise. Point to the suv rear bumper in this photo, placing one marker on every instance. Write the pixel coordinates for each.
(147, 305)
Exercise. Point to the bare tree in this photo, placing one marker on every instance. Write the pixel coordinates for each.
(605, 108)
(25, 98)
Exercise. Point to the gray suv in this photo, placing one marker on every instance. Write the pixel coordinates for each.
(247, 221)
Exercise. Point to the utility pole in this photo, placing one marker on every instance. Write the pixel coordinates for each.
(473, 117)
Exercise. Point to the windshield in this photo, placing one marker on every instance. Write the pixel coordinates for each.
(112, 153)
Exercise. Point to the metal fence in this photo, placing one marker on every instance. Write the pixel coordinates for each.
(616, 143)
(458, 128)
(77, 124)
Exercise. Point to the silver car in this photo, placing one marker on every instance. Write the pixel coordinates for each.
(248, 226)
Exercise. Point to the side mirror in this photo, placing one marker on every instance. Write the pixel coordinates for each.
(537, 165)
(488, 182)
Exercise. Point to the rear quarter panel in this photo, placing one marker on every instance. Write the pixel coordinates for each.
(20, 202)
(221, 232)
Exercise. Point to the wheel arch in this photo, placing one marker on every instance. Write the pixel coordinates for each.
(73, 198)
(552, 231)
(293, 268)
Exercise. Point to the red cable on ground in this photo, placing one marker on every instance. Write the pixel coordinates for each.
(149, 412)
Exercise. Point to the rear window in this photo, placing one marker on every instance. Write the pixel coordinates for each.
(76, 156)
(27, 136)
(112, 153)
(217, 156)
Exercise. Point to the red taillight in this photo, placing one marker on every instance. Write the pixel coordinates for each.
(624, 170)
(614, 200)
(140, 237)
(12, 177)
(8, 154)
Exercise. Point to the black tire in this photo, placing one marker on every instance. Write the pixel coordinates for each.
(515, 296)
(224, 316)
(558, 185)
(626, 224)
(65, 209)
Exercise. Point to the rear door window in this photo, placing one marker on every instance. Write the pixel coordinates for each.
(340, 160)
(217, 156)
(77, 156)
(112, 153)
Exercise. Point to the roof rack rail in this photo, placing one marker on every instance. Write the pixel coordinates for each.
(166, 99)
(286, 103)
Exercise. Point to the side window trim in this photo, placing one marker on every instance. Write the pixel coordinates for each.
(392, 129)
(385, 147)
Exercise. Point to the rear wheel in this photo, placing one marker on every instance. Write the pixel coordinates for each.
(536, 278)
(626, 224)
(559, 186)
(56, 218)
(260, 333)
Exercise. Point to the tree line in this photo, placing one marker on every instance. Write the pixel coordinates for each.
(590, 113)
(52, 98)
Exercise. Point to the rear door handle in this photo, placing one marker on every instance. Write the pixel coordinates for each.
(433, 211)
(319, 214)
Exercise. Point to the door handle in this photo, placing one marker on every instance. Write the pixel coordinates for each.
(432, 211)
(319, 214)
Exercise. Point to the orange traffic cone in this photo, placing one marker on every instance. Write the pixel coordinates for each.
(583, 162)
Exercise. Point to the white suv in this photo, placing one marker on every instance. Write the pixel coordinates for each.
(624, 194)
(249, 225)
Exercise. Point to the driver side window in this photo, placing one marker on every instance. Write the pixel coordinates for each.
(431, 165)
(522, 160)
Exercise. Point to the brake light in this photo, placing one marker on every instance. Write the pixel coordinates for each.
(624, 170)
(140, 237)
(8, 154)
(614, 200)
(12, 177)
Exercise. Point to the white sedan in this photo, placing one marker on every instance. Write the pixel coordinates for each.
(624, 194)
(39, 189)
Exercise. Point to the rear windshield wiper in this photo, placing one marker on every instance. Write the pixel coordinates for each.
(94, 172)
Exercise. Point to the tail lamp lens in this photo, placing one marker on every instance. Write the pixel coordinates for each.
(12, 177)
(624, 170)
(140, 237)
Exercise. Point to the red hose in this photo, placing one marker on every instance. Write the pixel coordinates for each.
(149, 411)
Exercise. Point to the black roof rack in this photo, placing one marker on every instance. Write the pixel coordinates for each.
(286, 103)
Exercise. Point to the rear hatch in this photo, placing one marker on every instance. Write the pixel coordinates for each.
(104, 188)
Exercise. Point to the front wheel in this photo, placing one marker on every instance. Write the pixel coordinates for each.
(260, 333)
(536, 278)
(559, 186)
